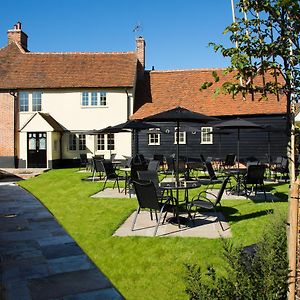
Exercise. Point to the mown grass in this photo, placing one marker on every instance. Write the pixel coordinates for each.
(142, 267)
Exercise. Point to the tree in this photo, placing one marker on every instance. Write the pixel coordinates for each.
(266, 42)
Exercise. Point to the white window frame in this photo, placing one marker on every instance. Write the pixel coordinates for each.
(182, 137)
(24, 97)
(81, 142)
(110, 141)
(31, 97)
(93, 99)
(101, 142)
(153, 137)
(206, 139)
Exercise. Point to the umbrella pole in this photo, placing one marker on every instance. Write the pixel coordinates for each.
(177, 156)
(238, 148)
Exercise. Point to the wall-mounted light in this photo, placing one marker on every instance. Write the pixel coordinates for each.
(194, 132)
(167, 131)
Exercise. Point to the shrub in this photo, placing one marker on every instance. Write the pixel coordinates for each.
(256, 272)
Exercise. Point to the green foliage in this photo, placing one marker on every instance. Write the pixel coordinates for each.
(259, 273)
(265, 39)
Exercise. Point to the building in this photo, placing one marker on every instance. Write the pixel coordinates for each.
(49, 101)
(163, 90)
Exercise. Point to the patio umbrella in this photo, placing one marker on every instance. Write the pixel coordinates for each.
(238, 124)
(178, 115)
(133, 126)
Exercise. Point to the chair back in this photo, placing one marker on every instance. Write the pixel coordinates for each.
(134, 169)
(153, 165)
(159, 157)
(108, 168)
(221, 191)
(255, 174)
(181, 166)
(98, 166)
(149, 176)
(230, 160)
(210, 170)
(146, 194)
(170, 163)
(83, 158)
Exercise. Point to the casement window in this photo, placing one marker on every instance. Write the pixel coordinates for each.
(153, 138)
(106, 141)
(82, 142)
(30, 101)
(182, 137)
(24, 104)
(110, 141)
(36, 101)
(206, 137)
(101, 141)
(72, 142)
(93, 99)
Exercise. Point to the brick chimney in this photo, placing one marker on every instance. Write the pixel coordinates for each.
(140, 50)
(17, 35)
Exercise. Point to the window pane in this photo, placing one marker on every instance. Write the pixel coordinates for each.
(110, 141)
(72, 142)
(36, 101)
(23, 101)
(100, 142)
(94, 99)
(206, 138)
(102, 98)
(82, 142)
(85, 99)
(154, 139)
(182, 137)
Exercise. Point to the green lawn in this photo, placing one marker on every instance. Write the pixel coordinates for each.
(141, 267)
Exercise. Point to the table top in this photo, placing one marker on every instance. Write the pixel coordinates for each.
(183, 185)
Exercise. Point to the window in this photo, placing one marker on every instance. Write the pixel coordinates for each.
(102, 98)
(153, 138)
(72, 142)
(110, 141)
(106, 141)
(24, 101)
(85, 99)
(36, 101)
(101, 141)
(93, 99)
(182, 136)
(206, 138)
(82, 142)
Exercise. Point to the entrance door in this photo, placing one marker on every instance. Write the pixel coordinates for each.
(37, 150)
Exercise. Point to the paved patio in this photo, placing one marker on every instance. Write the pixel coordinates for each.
(38, 259)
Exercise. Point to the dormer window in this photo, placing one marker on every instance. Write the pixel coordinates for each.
(93, 99)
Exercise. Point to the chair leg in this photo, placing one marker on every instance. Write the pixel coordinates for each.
(158, 221)
(104, 184)
(135, 217)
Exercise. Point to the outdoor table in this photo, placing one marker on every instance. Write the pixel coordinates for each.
(184, 185)
(193, 165)
(238, 174)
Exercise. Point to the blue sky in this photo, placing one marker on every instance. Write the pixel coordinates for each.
(177, 32)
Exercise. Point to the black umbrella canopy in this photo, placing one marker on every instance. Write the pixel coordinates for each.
(135, 125)
(237, 123)
(180, 114)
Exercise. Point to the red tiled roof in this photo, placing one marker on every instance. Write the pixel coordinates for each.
(24, 70)
(163, 90)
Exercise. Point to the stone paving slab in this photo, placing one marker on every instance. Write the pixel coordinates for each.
(38, 259)
(205, 225)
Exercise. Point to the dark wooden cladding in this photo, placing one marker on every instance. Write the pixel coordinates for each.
(253, 143)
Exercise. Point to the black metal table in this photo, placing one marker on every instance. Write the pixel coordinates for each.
(185, 185)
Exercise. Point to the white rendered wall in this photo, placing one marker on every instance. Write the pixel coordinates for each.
(65, 107)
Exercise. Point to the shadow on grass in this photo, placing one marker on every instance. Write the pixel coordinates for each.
(253, 215)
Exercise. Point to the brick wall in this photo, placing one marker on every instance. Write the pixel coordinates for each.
(7, 125)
